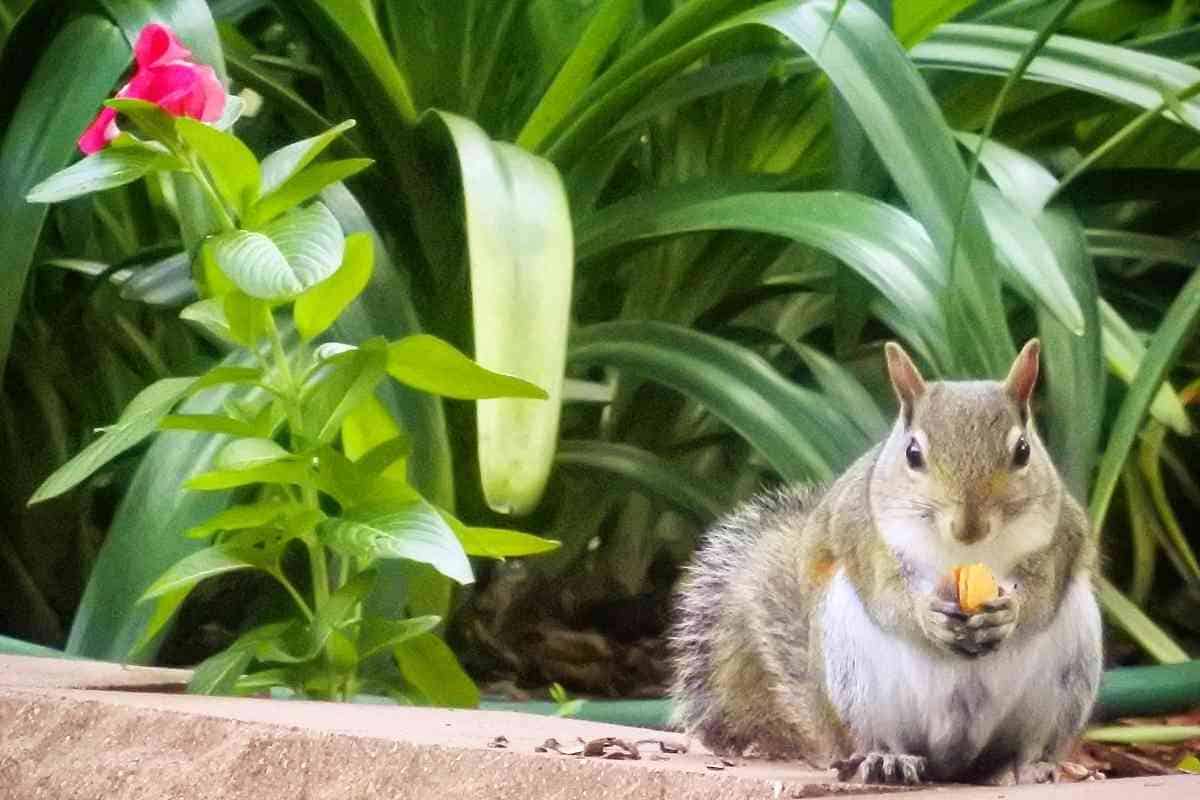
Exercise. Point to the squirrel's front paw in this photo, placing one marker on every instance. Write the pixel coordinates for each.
(971, 635)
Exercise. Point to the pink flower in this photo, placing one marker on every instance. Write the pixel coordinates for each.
(166, 77)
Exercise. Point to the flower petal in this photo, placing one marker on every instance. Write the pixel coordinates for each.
(213, 92)
(157, 45)
(102, 131)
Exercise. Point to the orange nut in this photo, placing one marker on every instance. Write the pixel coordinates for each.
(976, 585)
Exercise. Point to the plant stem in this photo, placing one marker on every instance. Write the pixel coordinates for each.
(210, 194)
(303, 606)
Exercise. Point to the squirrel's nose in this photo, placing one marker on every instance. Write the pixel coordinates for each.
(969, 526)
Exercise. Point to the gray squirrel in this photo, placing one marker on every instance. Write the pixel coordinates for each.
(810, 624)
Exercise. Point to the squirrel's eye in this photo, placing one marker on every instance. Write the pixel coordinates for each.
(916, 459)
(1021, 453)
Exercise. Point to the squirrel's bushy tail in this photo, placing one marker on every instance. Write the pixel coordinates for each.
(703, 614)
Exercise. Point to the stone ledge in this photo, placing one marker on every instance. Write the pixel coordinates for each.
(66, 743)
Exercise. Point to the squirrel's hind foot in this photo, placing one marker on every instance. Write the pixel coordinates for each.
(882, 768)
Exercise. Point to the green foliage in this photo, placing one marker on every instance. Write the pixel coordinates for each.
(713, 214)
(368, 514)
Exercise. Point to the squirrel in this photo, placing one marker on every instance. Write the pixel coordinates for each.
(810, 624)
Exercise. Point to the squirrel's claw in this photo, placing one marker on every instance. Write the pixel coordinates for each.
(882, 768)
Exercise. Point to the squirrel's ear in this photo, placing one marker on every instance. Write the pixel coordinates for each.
(1023, 375)
(906, 378)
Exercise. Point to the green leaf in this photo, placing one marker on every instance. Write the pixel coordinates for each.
(290, 472)
(1124, 351)
(427, 363)
(501, 543)
(378, 634)
(304, 186)
(109, 168)
(208, 423)
(241, 517)
(164, 611)
(795, 429)
(248, 318)
(1166, 343)
(432, 669)
(206, 563)
(218, 674)
(344, 384)
(521, 259)
(223, 375)
(312, 242)
(209, 315)
(249, 454)
(255, 265)
(149, 118)
(139, 420)
(233, 168)
(609, 21)
(1118, 73)
(1029, 261)
(47, 102)
(353, 487)
(884, 245)
(1140, 627)
(415, 531)
(317, 308)
(285, 163)
(701, 499)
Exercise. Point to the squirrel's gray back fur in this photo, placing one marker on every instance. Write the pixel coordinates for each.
(707, 614)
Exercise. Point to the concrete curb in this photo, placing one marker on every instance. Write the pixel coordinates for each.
(57, 741)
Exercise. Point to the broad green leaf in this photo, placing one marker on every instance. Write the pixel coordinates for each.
(290, 472)
(845, 390)
(500, 543)
(400, 530)
(47, 101)
(1021, 179)
(1124, 350)
(795, 429)
(344, 384)
(1029, 261)
(700, 499)
(206, 563)
(286, 162)
(378, 634)
(139, 420)
(1166, 343)
(248, 317)
(521, 257)
(219, 673)
(427, 363)
(312, 242)
(235, 518)
(304, 186)
(354, 487)
(1118, 73)
(209, 315)
(255, 265)
(233, 168)
(432, 669)
(385, 455)
(370, 426)
(317, 308)
(208, 423)
(249, 454)
(884, 245)
(109, 168)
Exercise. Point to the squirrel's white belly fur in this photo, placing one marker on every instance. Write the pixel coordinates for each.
(900, 697)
